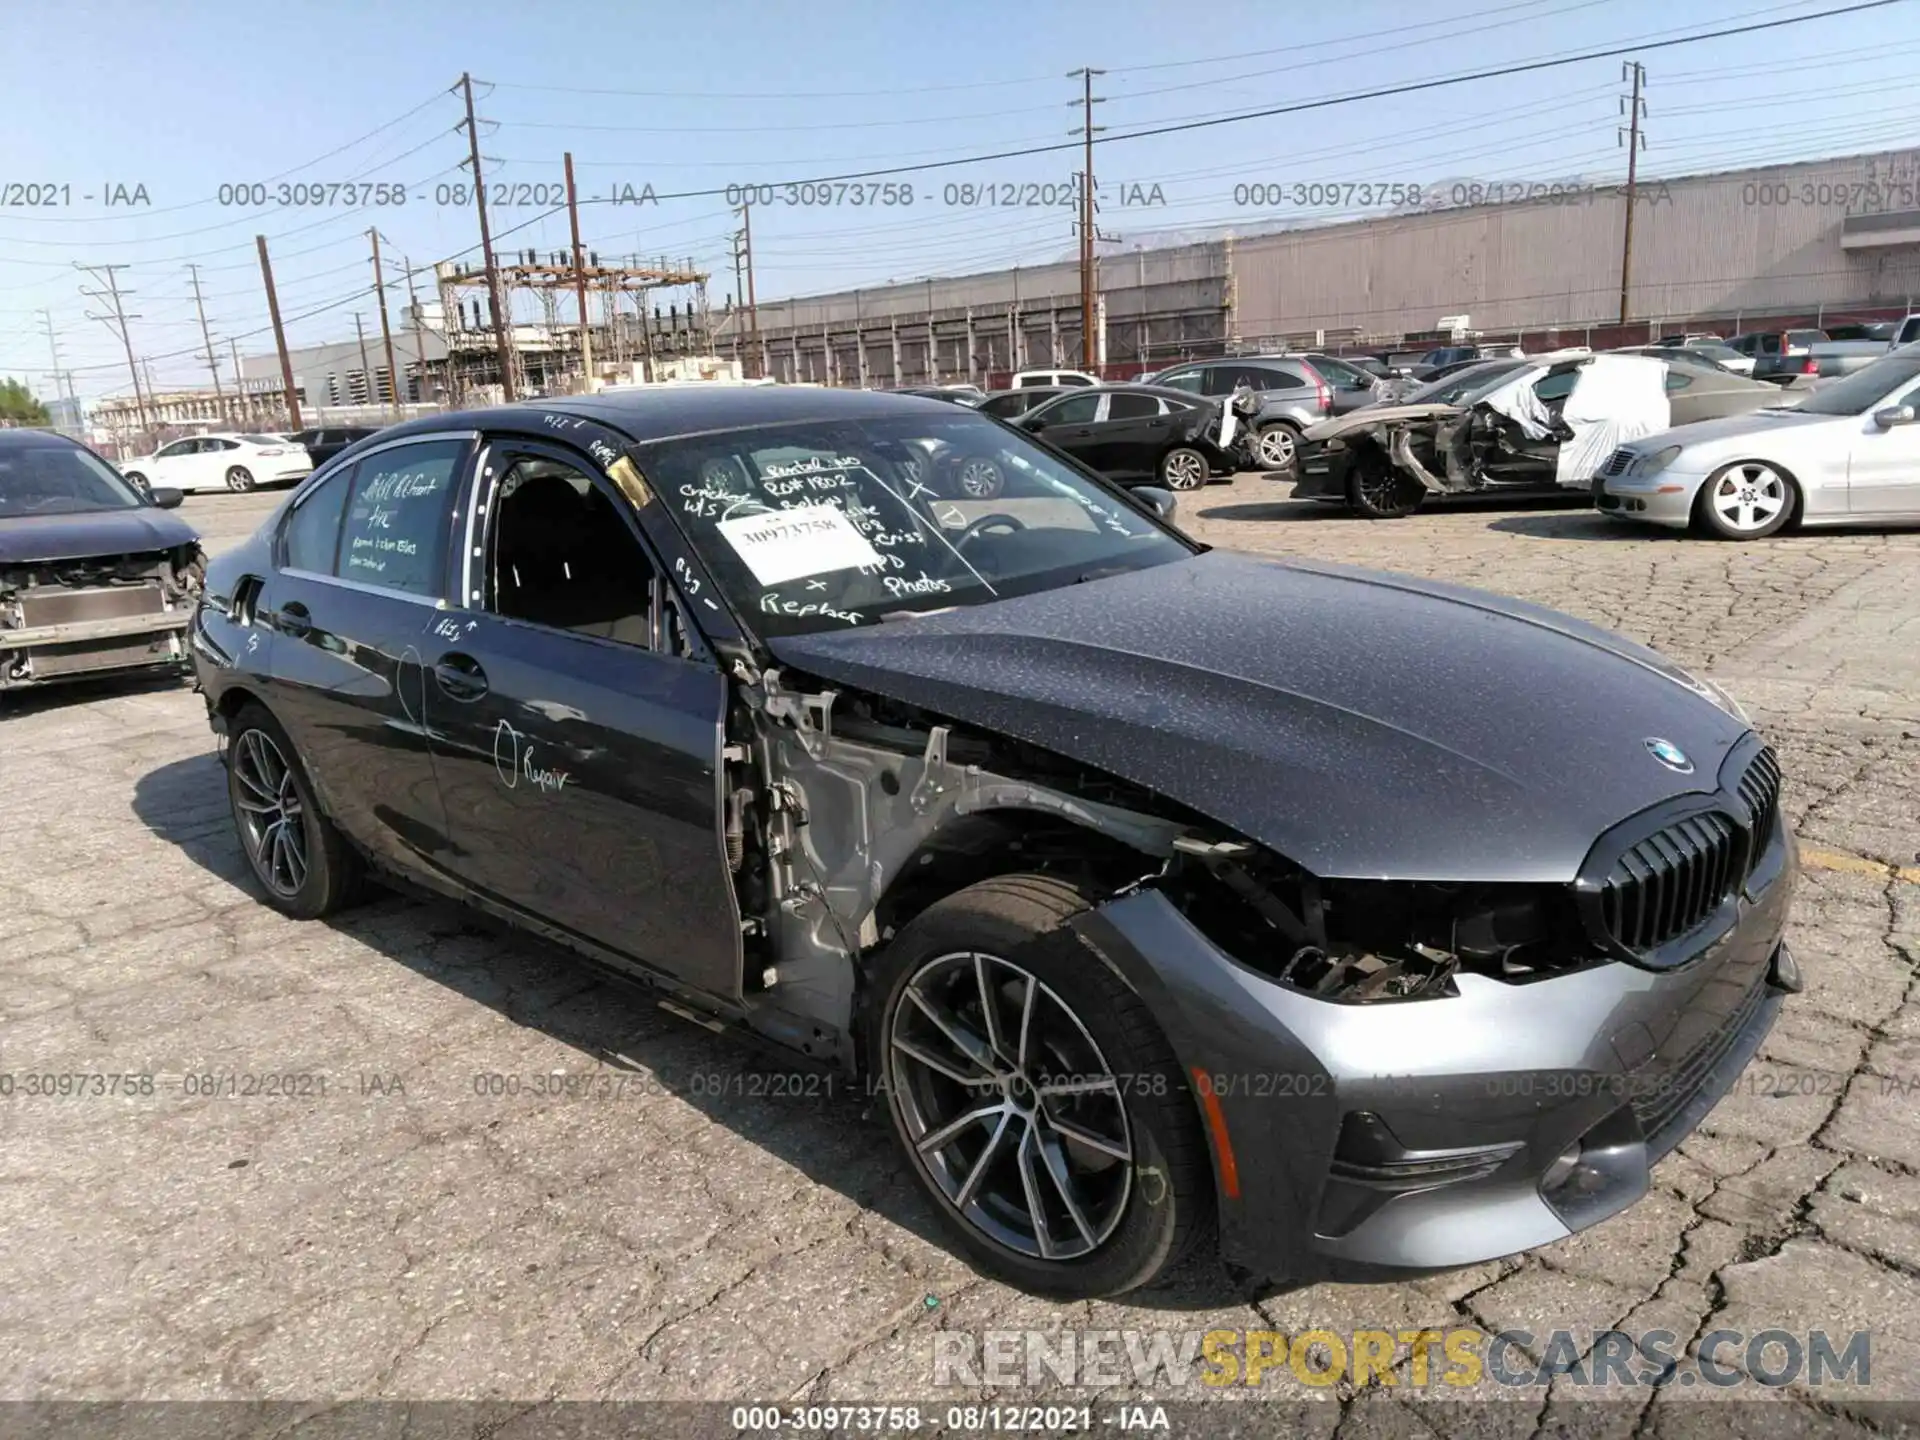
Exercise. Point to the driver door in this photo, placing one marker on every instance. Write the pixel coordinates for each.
(176, 465)
(1883, 465)
(1070, 425)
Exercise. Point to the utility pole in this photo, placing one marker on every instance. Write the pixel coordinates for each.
(106, 275)
(386, 328)
(241, 407)
(366, 365)
(486, 249)
(53, 348)
(580, 281)
(1636, 109)
(753, 309)
(279, 337)
(206, 336)
(413, 323)
(1088, 349)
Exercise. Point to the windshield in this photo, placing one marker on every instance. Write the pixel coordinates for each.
(1865, 389)
(1451, 389)
(830, 524)
(59, 480)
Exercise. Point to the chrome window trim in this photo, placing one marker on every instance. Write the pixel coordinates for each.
(431, 602)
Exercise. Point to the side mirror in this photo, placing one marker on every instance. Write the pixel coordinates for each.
(1161, 502)
(166, 497)
(1893, 415)
(1030, 423)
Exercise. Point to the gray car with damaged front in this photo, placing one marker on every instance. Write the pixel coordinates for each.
(1168, 898)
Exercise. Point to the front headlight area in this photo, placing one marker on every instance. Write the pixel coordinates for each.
(1654, 461)
(1362, 941)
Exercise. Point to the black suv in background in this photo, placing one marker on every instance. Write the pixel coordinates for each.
(324, 443)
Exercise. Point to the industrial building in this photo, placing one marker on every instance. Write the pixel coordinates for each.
(1733, 250)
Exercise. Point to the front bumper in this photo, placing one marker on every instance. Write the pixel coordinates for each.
(1662, 499)
(1372, 1141)
(1321, 473)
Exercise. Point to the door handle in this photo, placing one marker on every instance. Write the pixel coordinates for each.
(294, 620)
(1079, 433)
(460, 676)
(1158, 424)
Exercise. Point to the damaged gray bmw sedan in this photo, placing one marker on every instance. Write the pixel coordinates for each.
(1352, 924)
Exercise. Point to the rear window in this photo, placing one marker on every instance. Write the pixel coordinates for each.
(1131, 407)
(263, 439)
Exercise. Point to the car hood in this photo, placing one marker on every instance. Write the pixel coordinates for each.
(1744, 430)
(1362, 724)
(91, 532)
(1374, 415)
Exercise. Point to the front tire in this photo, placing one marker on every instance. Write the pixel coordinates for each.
(1184, 468)
(977, 477)
(138, 480)
(1378, 491)
(1035, 1099)
(1276, 446)
(239, 479)
(302, 862)
(1747, 500)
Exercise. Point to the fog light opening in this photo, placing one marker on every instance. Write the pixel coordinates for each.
(1563, 1166)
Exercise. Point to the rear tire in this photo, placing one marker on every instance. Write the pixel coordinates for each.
(1184, 468)
(239, 479)
(1378, 491)
(1747, 500)
(300, 860)
(1020, 1005)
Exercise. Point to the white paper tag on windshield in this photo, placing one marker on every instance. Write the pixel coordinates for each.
(806, 540)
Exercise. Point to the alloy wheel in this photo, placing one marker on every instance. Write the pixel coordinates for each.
(1185, 470)
(239, 479)
(1274, 447)
(1748, 497)
(272, 818)
(1009, 1106)
(980, 479)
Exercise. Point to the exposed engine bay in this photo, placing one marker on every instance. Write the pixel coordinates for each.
(63, 619)
(846, 814)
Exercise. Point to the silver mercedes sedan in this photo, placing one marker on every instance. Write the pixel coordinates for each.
(1847, 454)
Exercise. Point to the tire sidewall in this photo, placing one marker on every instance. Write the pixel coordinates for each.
(239, 479)
(1140, 1246)
(1361, 506)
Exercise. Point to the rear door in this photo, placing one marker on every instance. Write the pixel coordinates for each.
(360, 578)
(1131, 434)
(578, 724)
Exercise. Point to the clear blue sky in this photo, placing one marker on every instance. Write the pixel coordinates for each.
(183, 98)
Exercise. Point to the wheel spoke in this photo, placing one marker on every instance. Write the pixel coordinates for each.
(296, 845)
(948, 1024)
(936, 1140)
(1082, 1136)
(989, 1007)
(1026, 1022)
(908, 1048)
(1057, 1171)
(1030, 1187)
(979, 1171)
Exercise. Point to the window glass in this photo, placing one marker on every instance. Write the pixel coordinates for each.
(1131, 407)
(1267, 378)
(1677, 380)
(56, 479)
(1189, 380)
(314, 526)
(178, 447)
(399, 516)
(1557, 387)
(559, 554)
(1074, 410)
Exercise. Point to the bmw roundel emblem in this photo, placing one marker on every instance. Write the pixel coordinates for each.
(1669, 754)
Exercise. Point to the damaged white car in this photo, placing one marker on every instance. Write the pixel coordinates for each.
(1546, 427)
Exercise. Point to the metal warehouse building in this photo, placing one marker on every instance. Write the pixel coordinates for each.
(1788, 244)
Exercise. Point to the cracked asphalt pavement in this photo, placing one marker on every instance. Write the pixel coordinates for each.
(399, 1215)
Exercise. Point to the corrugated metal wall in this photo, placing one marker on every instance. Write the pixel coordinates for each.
(1753, 241)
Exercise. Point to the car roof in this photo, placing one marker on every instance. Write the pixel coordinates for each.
(670, 412)
(24, 439)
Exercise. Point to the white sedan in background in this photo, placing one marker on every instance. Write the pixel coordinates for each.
(1847, 454)
(225, 461)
